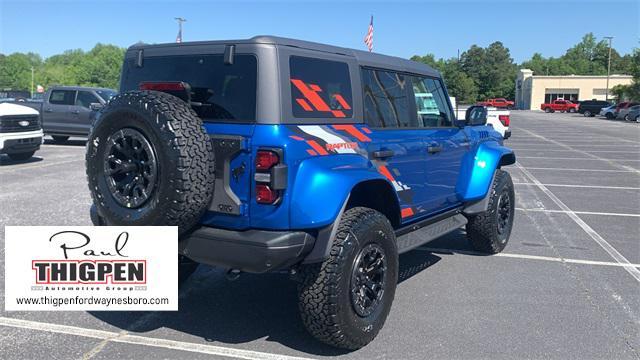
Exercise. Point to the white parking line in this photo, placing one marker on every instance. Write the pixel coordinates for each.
(143, 340)
(532, 257)
(574, 158)
(610, 161)
(572, 169)
(580, 212)
(567, 150)
(36, 165)
(582, 186)
(592, 233)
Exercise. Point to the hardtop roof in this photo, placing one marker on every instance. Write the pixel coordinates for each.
(364, 58)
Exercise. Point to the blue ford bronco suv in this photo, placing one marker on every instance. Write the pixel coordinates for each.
(275, 154)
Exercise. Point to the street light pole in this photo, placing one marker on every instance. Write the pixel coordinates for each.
(32, 82)
(606, 93)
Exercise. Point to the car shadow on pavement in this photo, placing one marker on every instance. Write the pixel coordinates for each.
(6, 160)
(250, 308)
(70, 142)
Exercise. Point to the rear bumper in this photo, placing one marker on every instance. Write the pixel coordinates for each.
(255, 251)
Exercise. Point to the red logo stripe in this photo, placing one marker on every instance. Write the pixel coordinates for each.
(311, 95)
(342, 101)
(304, 104)
(353, 131)
(319, 149)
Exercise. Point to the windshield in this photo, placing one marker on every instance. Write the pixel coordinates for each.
(106, 95)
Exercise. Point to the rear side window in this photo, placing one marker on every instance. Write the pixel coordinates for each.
(218, 91)
(62, 97)
(386, 99)
(320, 88)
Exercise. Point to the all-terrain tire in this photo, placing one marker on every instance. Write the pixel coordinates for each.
(21, 156)
(325, 294)
(484, 231)
(58, 139)
(185, 165)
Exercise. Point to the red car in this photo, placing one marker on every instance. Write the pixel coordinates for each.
(559, 105)
(498, 102)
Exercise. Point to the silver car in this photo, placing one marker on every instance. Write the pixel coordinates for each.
(622, 113)
(609, 112)
(633, 113)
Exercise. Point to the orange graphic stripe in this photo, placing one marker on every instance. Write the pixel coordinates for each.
(353, 131)
(342, 101)
(304, 105)
(298, 138)
(311, 152)
(319, 149)
(338, 113)
(367, 130)
(406, 212)
(384, 171)
(311, 95)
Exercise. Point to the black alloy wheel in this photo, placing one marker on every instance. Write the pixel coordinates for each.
(130, 167)
(368, 279)
(504, 213)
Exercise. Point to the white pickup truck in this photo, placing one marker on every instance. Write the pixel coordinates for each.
(499, 119)
(20, 131)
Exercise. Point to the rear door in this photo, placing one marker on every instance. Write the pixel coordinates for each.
(397, 147)
(56, 111)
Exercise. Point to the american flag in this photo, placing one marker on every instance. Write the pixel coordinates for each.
(369, 38)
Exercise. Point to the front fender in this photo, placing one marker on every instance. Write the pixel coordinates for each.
(478, 168)
(322, 185)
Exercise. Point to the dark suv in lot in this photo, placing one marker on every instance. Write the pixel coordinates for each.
(279, 154)
(592, 107)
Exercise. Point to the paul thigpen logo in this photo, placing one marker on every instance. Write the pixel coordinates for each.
(115, 269)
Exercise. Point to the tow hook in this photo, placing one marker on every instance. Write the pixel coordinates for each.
(233, 274)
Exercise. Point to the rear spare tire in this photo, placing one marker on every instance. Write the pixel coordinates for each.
(149, 162)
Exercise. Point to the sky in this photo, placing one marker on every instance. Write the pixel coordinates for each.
(402, 28)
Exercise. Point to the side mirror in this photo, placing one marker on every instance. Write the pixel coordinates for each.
(95, 106)
(476, 115)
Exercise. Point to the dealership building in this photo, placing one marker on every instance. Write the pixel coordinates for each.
(533, 90)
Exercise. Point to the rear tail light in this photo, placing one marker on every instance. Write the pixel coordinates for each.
(504, 119)
(270, 176)
(163, 86)
(266, 195)
(266, 159)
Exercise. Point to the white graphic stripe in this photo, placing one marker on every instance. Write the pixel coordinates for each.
(329, 138)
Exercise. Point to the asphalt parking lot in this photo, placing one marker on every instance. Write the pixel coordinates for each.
(566, 287)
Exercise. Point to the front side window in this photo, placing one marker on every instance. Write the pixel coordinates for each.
(218, 91)
(62, 97)
(386, 99)
(431, 103)
(320, 88)
(85, 99)
(106, 95)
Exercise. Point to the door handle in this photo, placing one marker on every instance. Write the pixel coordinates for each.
(381, 154)
(434, 148)
(48, 110)
(76, 112)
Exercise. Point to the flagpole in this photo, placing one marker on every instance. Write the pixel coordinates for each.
(180, 21)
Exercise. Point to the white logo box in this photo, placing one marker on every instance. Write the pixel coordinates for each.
(91, 268)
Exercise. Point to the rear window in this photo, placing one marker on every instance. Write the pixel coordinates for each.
(320, 88)
(218, 91)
